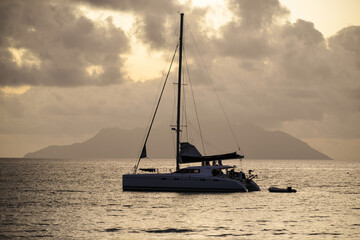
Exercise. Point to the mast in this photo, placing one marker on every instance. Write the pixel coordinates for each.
(179, 96)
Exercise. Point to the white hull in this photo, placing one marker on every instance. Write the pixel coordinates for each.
(180, 183)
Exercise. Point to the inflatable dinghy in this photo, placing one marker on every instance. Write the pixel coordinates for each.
(282, 190)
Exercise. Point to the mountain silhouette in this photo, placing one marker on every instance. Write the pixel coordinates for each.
(255, 142)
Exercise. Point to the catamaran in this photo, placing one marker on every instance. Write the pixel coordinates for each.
(210, 176)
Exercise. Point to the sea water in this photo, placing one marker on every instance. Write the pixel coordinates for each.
(83, 199)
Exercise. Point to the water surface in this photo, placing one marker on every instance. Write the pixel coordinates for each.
(84, 199)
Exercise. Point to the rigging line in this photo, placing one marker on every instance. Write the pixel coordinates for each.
(165, 67)
(185, 117)
(209, 144)
(158, 92)
(196, 111)
(184, 92)
(173, 117)
(157, 107)
(184, 108)
(213, 86)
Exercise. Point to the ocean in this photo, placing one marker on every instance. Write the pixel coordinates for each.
(83, 199)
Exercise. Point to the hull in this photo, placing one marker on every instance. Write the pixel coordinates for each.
(252, 186)
(180, 183)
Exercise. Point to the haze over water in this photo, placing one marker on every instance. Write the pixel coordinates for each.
(67, 199)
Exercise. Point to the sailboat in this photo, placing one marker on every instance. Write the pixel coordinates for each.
(205, 177)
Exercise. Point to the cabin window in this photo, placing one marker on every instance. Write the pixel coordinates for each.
(188, 171)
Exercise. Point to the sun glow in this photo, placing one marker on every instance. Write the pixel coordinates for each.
(217, 15)
(143, 64)
(15, 90)
(122, 20)
(94, 70)
(23, 57)
(328, 16)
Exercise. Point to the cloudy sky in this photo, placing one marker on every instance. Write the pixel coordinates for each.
(70, 68)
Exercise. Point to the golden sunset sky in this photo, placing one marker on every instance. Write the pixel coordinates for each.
(70, 68)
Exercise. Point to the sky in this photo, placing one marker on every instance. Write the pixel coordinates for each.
(71, 68)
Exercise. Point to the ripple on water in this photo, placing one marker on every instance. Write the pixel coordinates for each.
(231, 235)
(44, 236)
(324, 233)
(319, 216)
(112, 229)
(262, 221)
(169, 230)
(69, 190)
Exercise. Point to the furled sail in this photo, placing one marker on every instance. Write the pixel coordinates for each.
(189, 154)
(143, 152)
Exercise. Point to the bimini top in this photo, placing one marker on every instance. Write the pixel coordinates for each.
(189, 154)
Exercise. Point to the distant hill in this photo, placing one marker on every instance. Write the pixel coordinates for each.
(261, 144)
(255, 142)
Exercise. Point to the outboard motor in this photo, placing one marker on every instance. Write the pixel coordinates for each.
(251, 186)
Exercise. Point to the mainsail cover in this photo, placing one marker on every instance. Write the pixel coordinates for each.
(189, 154)
(188, 150)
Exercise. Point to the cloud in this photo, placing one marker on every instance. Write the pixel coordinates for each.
(153, 17)
(249, 35)
(279, 74)
(257, 14)
(345, 45)
(58, 44)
